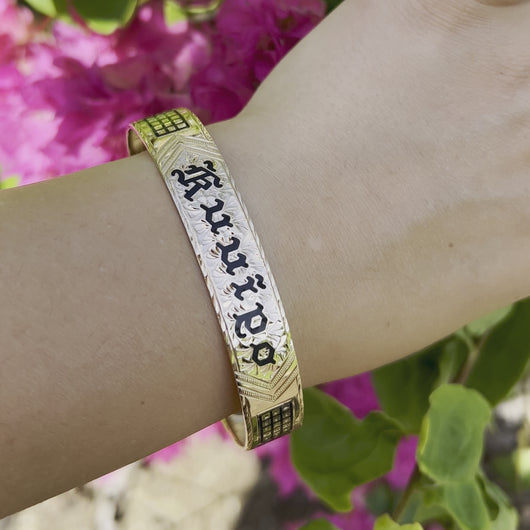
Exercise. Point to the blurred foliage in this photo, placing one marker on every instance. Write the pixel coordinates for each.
(386, 523)
(106, 16)
(332, 4)
(492, 374)
(335, 452)
(319, 524)
(9, 182)
(445, 394)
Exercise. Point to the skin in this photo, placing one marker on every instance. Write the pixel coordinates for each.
(388, 182)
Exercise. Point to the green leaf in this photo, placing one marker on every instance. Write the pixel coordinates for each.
(103, 16)
(452, 358)
(10, 182)
(427, 505)
(423, 371)
(51, 8)
(504, 470)
(521, 462)
(46, 7)
(423, 504)
(481, 325)
(332, 4)
(503, 356)
(386, 523)
(319, 524)
(173, 12)
(506, 517)
(451, 437)
(334, 452)
(464, 501)
(380, 499)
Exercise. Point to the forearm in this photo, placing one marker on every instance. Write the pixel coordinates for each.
(110, 346)
(110, 349)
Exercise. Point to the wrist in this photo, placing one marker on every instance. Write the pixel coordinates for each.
(373, 257)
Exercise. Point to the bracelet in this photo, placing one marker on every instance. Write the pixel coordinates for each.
(237, 275)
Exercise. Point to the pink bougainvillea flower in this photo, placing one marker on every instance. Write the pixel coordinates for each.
(357, 393)
(359, 518)
(20, 139)
(80, 89)
(404, 462)
(16, 29)
(169, 453)
(100, 84)
(249, 38)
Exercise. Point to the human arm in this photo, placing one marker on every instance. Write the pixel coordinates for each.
(389, 188)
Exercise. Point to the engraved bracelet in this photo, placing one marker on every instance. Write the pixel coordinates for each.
(237, 275)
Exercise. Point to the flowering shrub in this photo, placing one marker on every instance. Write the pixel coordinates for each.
(67, 94)
(405, 440)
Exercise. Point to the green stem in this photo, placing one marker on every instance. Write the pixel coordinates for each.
(409, 490)
(474, 349)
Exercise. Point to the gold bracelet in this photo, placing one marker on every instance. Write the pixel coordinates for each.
(238, 277)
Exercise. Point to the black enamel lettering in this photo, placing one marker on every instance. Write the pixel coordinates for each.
(247, 320)
(240, 261)
(202, 177)
(210, 210)
(248, 286)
